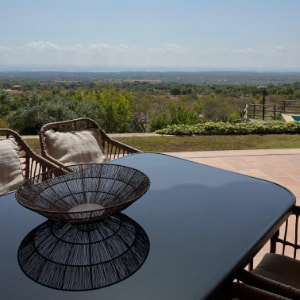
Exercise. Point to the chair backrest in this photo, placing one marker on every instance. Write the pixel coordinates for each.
(113, 149)
(30, 163)
(278, 272)
(286, 241)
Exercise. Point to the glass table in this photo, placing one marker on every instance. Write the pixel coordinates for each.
(194, 228)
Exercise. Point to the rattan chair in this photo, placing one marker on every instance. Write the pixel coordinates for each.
(240, 291)
(32, 164)
(113, 149)
(279, 270)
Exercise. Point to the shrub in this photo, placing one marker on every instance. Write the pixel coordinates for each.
(226, 128)
(3, 123)
(177, 115)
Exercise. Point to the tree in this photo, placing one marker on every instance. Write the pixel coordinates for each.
(159, 122)
(177, 115)
(38, 111)
(175, 91)
(143, 111)
(287, 91)
(90, 109)
(117, 107)
(5, 100)
(296, 95)
(181, 116)
(217, 108)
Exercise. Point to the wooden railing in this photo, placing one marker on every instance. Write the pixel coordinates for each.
(291, 106)
(271, 112)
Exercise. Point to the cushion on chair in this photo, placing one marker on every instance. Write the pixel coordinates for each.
(75, 147)
(11, 175)
(280, 268)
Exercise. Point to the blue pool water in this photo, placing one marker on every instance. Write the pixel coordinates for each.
(296, 118)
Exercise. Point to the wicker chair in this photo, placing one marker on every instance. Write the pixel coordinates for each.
(112, 148)
(279, 270)
(32, 164)
(240, 291)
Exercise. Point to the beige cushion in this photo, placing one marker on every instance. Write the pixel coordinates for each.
(75, 147)
(11, 175)
(280, 268)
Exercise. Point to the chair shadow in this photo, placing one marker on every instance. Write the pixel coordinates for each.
(78, 257)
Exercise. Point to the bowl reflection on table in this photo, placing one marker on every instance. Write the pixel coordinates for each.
(77, 257)
(87, 194)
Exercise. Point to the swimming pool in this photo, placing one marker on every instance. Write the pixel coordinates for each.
(296, 118)
(290, 117)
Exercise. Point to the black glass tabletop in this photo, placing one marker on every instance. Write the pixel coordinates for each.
(183, 239)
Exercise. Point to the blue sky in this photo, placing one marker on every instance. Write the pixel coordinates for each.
(162, 34)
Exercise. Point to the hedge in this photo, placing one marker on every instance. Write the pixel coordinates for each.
(226, 128)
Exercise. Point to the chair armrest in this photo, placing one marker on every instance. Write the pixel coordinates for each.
(115, 149)
(267, 284)
(32, 163)
(245, 292)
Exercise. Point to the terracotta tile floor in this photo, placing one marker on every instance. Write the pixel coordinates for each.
(281, 166)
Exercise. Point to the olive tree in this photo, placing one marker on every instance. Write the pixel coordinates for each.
(37, 111)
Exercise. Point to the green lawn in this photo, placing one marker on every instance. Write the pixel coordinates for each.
(204, 143)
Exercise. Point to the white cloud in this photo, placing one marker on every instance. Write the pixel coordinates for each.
(45, 52)
(280, 49)
(41, 45)
(245, 51)
(171, 54)
(123, 46)
(99, 47)
(170, 48)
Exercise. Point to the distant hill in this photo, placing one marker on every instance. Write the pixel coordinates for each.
(200, 78)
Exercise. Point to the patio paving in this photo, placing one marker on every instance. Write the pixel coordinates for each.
(277, 165)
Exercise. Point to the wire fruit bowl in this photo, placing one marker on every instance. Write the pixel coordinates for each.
(88, 194)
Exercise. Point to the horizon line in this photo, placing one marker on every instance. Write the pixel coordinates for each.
(108, 69)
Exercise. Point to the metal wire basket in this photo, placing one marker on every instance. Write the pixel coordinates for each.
(88, 194)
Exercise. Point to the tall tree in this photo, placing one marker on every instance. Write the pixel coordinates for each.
(117, 107)
(4, 103)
